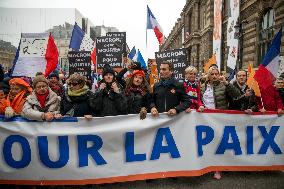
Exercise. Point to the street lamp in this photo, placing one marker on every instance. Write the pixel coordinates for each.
(239, 27)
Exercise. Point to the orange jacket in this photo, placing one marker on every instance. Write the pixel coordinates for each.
(18, 102)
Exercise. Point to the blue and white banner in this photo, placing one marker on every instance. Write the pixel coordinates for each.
(124, 148)
(31, 54)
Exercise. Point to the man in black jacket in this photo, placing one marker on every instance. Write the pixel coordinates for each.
(246, 102)
(168, 94)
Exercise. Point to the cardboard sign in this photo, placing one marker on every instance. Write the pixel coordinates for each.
(178, 57)
(110, 50)
(80, 62)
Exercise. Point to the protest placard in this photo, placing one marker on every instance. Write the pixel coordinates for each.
(110, 49)
(178, 57)
(80, 62)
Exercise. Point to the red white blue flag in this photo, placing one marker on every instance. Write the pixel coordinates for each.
(82, 42)
(268, 69)
(152, 23)
(137, 57)
(37, 52)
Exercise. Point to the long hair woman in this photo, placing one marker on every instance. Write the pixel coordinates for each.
(137, 92)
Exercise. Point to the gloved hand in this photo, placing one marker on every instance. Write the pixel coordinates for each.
(143, 113)
(9, 112)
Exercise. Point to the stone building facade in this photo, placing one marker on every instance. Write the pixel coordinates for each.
(259, 21)
(7, 54)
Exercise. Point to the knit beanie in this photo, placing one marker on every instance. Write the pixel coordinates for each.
(76, 78)
(107, 69)
(39, 78)
(54, 74)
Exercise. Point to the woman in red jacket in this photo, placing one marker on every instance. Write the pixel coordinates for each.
(192, 89)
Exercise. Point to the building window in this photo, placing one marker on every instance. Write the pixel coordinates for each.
(204, 17)
(265, 34)
(189, 55)
(189, 23)
(178, 42)
(198, 15)
(197, 56)
(226, 8)
(182, 35)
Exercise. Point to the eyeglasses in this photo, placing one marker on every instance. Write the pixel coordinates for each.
(41, 87)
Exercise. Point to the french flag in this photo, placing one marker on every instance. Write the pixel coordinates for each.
(82, 42)
(132, 53)
(37, 52)
(267, 71)
(152, 23)
(137, 57)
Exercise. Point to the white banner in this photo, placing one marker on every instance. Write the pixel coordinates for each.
(217, 31)
(124, 148)
(232, 38)
(31, 54)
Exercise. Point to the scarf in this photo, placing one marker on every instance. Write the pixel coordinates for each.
(135, 90)
(17, 103)
(78, 92)
(167, 82)
(57, 88)
(42, 99)
(192, 84)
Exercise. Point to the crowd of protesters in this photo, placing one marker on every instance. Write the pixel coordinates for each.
(45, 99)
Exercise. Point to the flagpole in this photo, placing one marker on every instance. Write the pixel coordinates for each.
(96, 60)
(261, 100)
(146, 26)
(259, 93)
(146, 38)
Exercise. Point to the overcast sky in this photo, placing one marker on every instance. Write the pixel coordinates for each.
(126, 15)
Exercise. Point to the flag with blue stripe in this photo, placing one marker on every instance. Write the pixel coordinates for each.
(76, 38)
(141, 59)
(132, 53)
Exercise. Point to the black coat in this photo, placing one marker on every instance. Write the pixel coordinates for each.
(281, 93)
(108, 103)
(242, 102)
(80, 104)
(4, 85)
(120, 77)
(170, 95)
(1, 73)
(135, 101)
